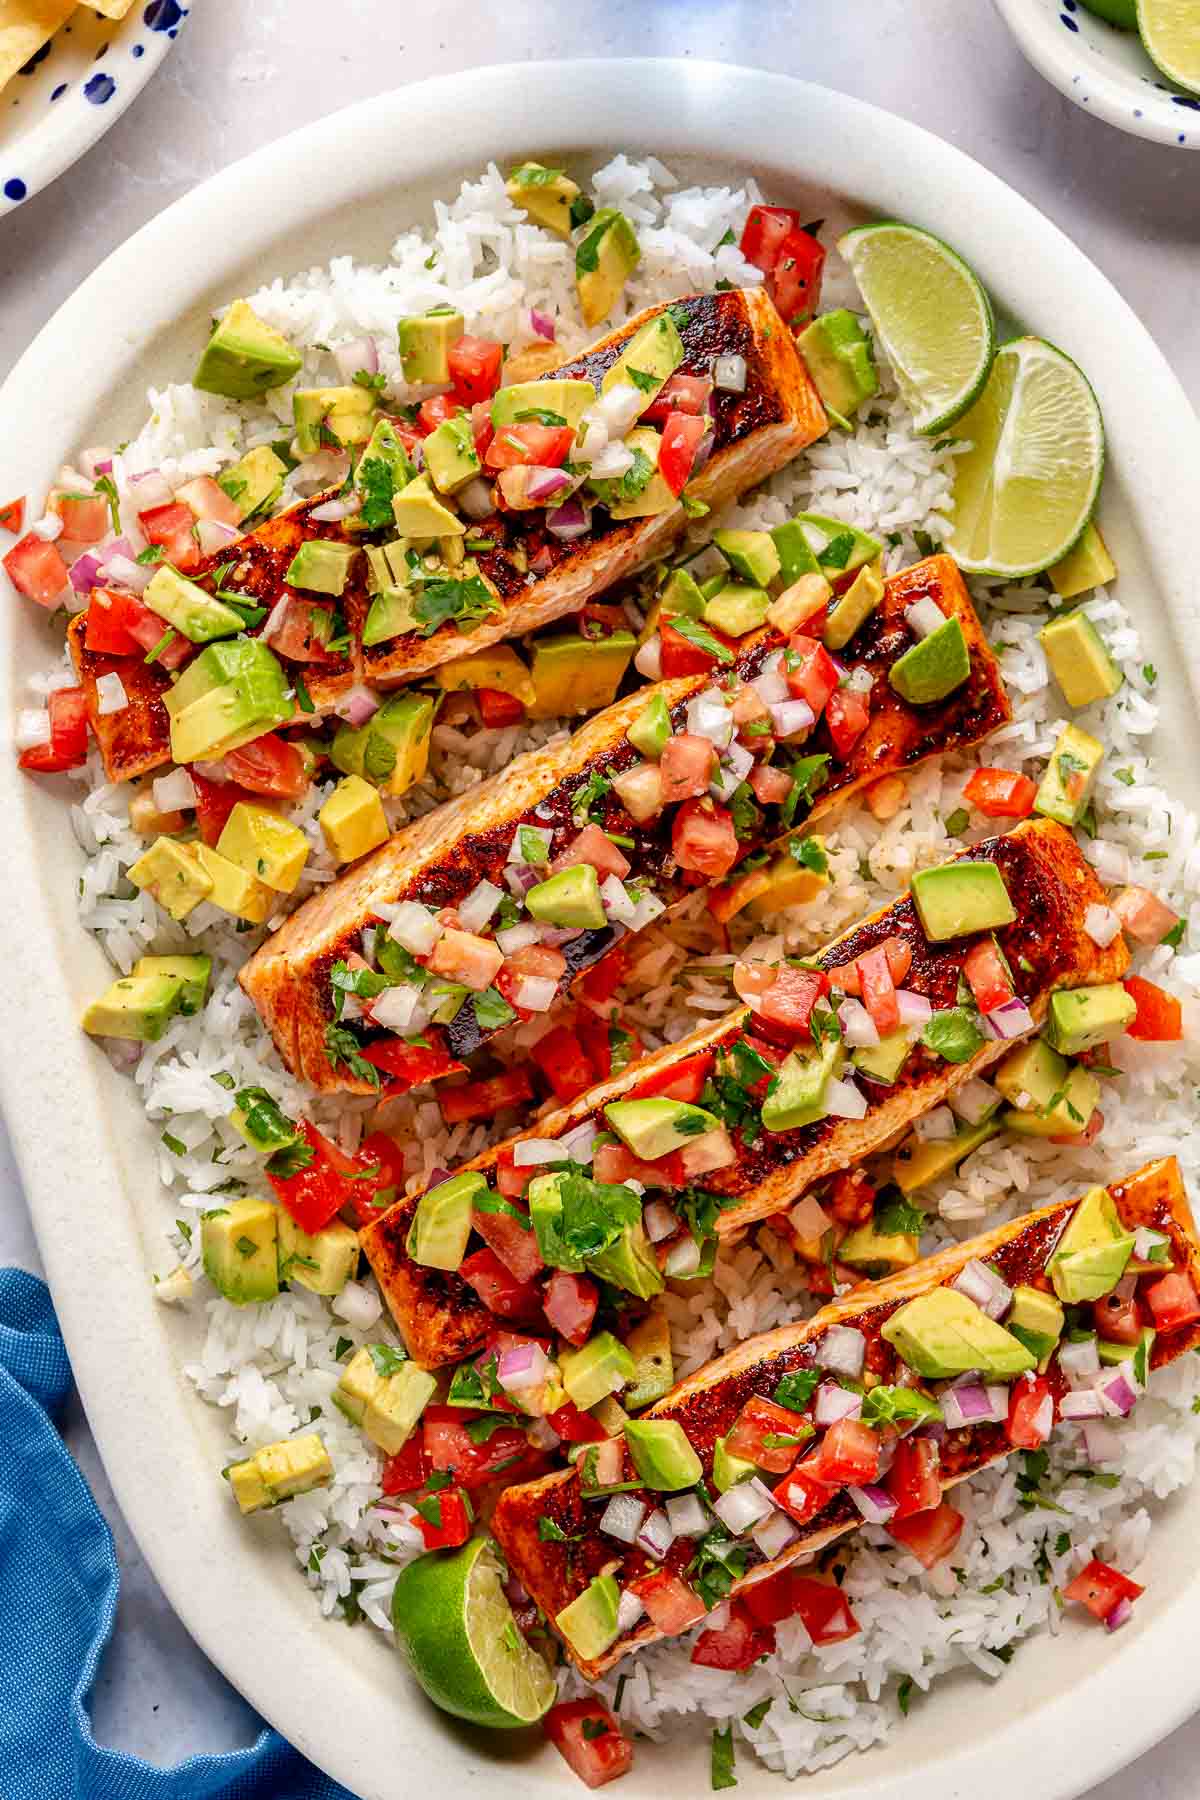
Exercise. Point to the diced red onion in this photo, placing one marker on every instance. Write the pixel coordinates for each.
(360, 1306)
(1101, 924)
(523, 1367)
(569, 521)
(659, 1222)
(771, 687)
(150, 490)
(743, 1506)
(774, 1534)
(1118, 1390)
(175, 792)
(648, 661)
(622, 1518)
(730, 374)
(629, 1611)
(535, 993)
(84, 572)
(1083, 1403)
(736, 763)
(529, 1152)
(858, 1027)
(1120, 1615)
(523, 876)
(914, 1009)
(683, 1259)
(1146, 1242)
(358, 353)
(33, 728)
(96, 461)
(616, 900)
(687, 1515)
(985, 1287)
(518, 937)
(357, 704)
(557, 935)
(213, 535)
(1011, 1019)
(656, 1536)
(975, 1100)
(545, 482)
(475, 500)
(110, 694)
(542, 1435)
(123, 1053)
(834, 1402)
(974, 1405)
(791, 716)
(874, 1503)
(401, 1008)
(844, 1099)
(924, 617)
(936, 1127)
(414, 927)
(704, 450)
(331, 512)
(1079, 1362)
(579, 1142)
(479, 905)
(843, 1349)
(542, 324)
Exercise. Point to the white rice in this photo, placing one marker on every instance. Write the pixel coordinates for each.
(273, 1367)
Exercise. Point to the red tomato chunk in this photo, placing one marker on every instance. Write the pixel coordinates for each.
(588, 1738)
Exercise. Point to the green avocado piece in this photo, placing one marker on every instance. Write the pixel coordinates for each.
(193, 613)
(1088, 565)
(839, 548)
(916, 1164)
(589, 1623)
(737, 609)
(344, 413)
(603, 1366)
(942, 1333)
(245, 356)
(681, 597)
(796, 1095)
(629, 1264)
(321, 1261)
(255, 481)
(547, 195)
(650, 358)
(441, 1225)
(605, 258)
(239, 1243)
(855, 607)
(1078, 659)
(958, 898)
(419, 513)
(1090, 1274)
(566, 398)
(384, 1406)
(1095, 1222)
(1065, 1114)
(321, 567)
(839, 358)
(425, 343)
(173, 875)
(136, 1007)
(727, 1470)
(392, 749)
(195, 973)
(383, 447)
(662, 1455)
(570, 898)
(654, 1127)
(576, 674)
(232, 692)
(649, 1344)
(1031, 1075)
(933, 667)
(389, 614)
(652, 728)
(866, 1246)
(1036, 1319)
(1082, 1018)
(796, 554)
(545, 1212)
(450, 454)
(883, 1061)
(654, 498)
(1066, 785)
(753, 555)
(1111, 1354)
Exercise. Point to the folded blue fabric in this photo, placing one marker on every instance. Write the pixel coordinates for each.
(58, 1599)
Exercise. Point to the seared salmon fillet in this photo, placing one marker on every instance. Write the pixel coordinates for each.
(440, 860)
(707, 1405)
(1047, 947)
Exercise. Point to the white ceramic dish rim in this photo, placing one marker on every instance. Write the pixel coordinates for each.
(227, 1581)
(1114, 93)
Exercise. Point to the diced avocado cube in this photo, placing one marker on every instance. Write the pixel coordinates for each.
(425, 343)
(589, 1623)
(576, 674)
(1088, 565)
(188, 608)
(255, 481)
(441, 1225)
(498, 667)
(1065, 1115)
(798, 603)
(384, 447)
(234, 889)
(1082, 1018)
(959, 898)
(681, 597)
(883, 1061)
(942, 1333)
(264, 845)
(661, 1454)
(796, 1095)
(654, 1127)
(240, 1246)
(245, 356)
(1066, 786)
(752, 555)
(352, 820)
(1090, 1274)
(294, 1466)
(651, 729)
(605, 258)
(171, 874)
(933, 667)
(838, 354)
(249, 1488)
(629, 1263)
(357, 1383)
(865, 1246)
(1036, 1319)
(727, 1470)
(570, 898)
(1111, 1354)
(392, 749)
(737, 609)
(655, 497)
(855, 607)
(321, 567)
(450, 454)
(603, 1366)
(608, 1413)
(649, 1343)
(710, 588)
(839, 548)
(547, 195)
(649, 359)
(419, 513)
(383, 1400)
(791, 883)
(1079, 660)
(232, 692)
(796, 555)
(916, 1164)
(567, 400)
(545, 1212)
(195, 972)
(390, 613)
(1094, 1222)
(344, 413)
(1031, 1075)
(321, 1261)
(136, 1007)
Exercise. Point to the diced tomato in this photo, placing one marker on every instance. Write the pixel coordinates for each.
(849, 1454)
(449, 1445)
(570, 1303)
(602, 980)
(801, 1495)
(205, 500)
(1030, 1421)
(316, 1194)
(410, 1065)
(929, 1535)
(151, 632)
(513, 1241)
(408, 1470)
(542, 962)
(589, 1739)
(685, 767)
(899, 956)
(1143, 915)
(810, 672)
(466, 957)
(1000, 794)
(481, 1099)
(703, 838)
(912, 1480)
(475, 367)
(736, 1645)
(453, 1526)
(769, 1436)
(595, 1033)
(215, 800)
(1159, 1017)
(672, 1605)
(679, 656)
(1117, 1318)
(499, 1289)
(826, 1615)
(594, 846)
(879, 991)
(679, 394)
(986, 974)
(269, 765)
(85, 517)
(683, 1080)
(300, 631)
(371, 1198)
(795, 282)
(783, 995)
(12, 516)
(847, 715)
(574, 1426)
(173, 527)
(681, 437)
(481, 426)
(1173, 1301)
(770, 786)
(851, 1199)
(1100, 1588)
(106, 628)
(36, 570)
(613, 1162)
(765, 232)
(561, 1058)
(497, 709)
(541, 446)
(435, 411)
(67, 746)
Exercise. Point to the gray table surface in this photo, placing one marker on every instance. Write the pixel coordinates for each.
(245, 71)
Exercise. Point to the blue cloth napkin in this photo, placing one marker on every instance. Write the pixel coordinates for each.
(58, 1600)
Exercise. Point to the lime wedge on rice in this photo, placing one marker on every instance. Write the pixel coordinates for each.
(930, 314)
(462, 1643)
(1171, 34)
(1027, 486)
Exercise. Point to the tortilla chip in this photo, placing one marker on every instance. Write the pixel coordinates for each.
(110, 9)
(25, 25)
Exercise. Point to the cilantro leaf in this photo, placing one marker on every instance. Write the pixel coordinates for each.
(702, 639)
(895, 1215)
(809, 774)
(492, 1010)
(460, 602)
(388, 1359)
(797, 1389)
(953, 1034)
(342, 1046)
(721, 1772)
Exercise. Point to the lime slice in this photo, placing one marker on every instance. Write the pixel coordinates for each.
(1171, 34)
(1025, 490)
(457, 1630)
(930, 315)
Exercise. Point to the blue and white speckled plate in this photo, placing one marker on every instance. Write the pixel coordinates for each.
(76, 86)
(1102, 70)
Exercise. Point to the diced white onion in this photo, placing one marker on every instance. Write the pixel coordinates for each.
(622, 1518)
(834, 1402)
(629, 1611)
(401, 1008)
(617, 901)
(618, 411)
(656, 1536)
(1079, 1362)
(858, 1027)
(1146, 1242)
(175, 792)
(771, 687)
(683, 1259)
(936, 1127)
(48, 527)
(975, 1100)
(983, 1285)
(741, 1507)
(528, 1152)
(648, 661)
(773, 1535)
(648, 908)
(360, 1306)
(709, 717)
(590, 439)
(615, 460)
(736, 763)
(33, 727)
(914, 1009)
(414, 927)
(522, 842)
(844, 1099)
(479, 905)
(1101, 924)
(687, 1515)
(578, 1144)
(730, 373)
(791, 716)
(518, 937)
(843, 1349)
(659, 1222)
(110, 694)
(1083, 1403)
(859, 681)
(924, 617)
(535, 993)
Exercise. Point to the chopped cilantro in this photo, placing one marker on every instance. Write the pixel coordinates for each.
(896, 1215)
(448, 600)
(387, 1358)
(342, 1046)
(173, 1144)
(809, 774)
(721, 1762)
(953, 1034)
(809, 854)
(957, 821)
(797, 1389)
(550, 1533)
(702, 639)
(492, 1010)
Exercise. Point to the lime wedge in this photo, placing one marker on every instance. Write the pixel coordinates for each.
(1026, 488)
(930, 315)
(457, 1630)
(1171, 34)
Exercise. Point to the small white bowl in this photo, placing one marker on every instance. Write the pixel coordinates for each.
(1103, 70)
